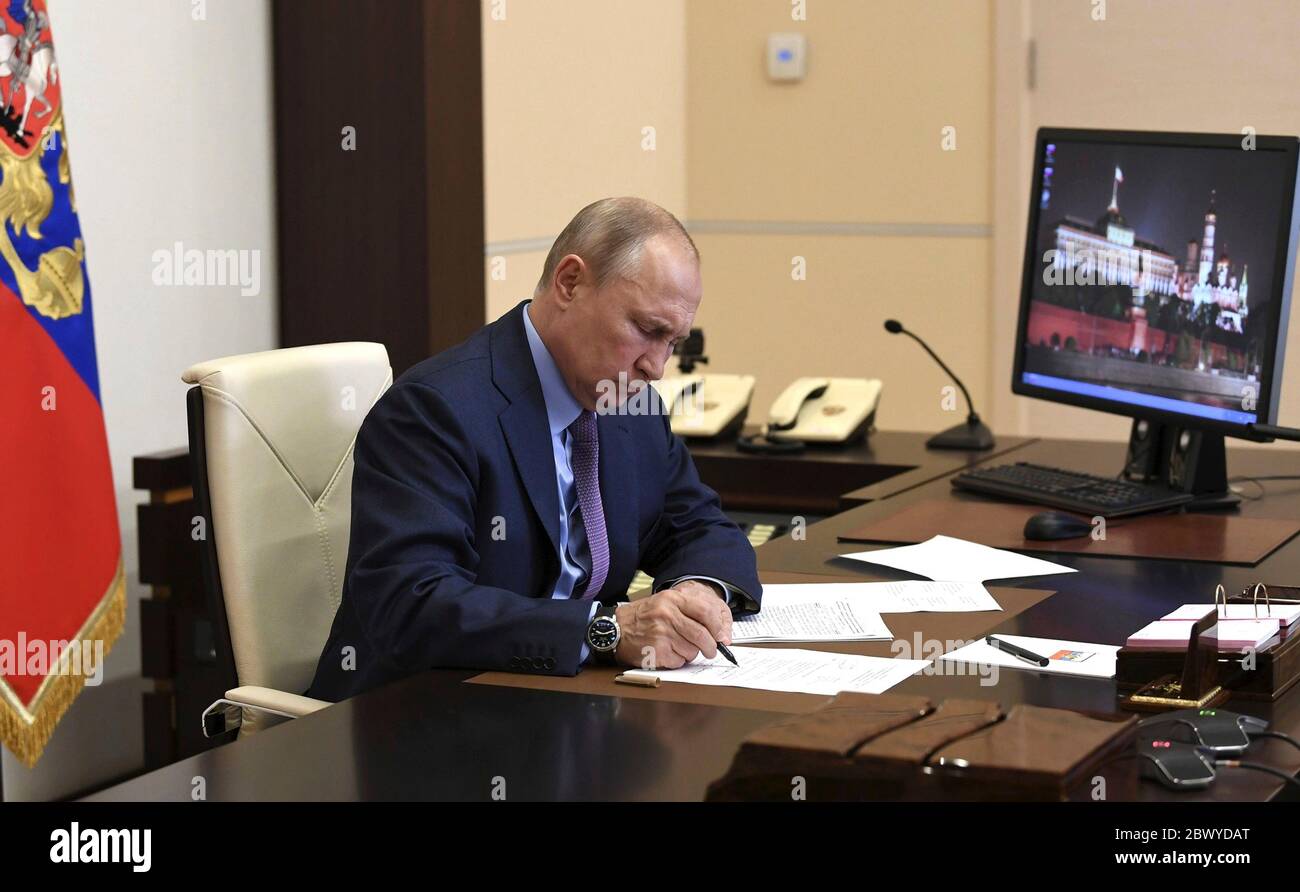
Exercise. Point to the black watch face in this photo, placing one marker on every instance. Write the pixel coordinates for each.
(602, 634)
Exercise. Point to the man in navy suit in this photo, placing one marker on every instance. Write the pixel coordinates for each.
(505, 491)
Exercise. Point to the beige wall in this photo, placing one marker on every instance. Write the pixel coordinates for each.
(759, 321)
(855, 148)
(568, 88)
(846, 169)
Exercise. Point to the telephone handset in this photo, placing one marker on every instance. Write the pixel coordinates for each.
(674, 390)
(706, 405)
(818, 410)
(785, 411)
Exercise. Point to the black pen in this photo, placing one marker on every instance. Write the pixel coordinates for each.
(722, 649)
(1017, 652)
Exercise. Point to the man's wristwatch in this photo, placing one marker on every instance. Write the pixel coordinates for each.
(603, 634)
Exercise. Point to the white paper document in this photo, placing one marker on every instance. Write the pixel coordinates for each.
(1286, 614)
(811, 619)
(791, 670)
(1066, 657)
(946, 559)
(1229, 634)
(911, 596)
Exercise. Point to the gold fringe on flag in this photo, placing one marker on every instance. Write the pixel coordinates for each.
(25, 730)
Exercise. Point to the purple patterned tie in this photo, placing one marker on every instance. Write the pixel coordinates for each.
(586, 478)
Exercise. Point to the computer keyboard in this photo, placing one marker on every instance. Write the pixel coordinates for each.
(1069, 490)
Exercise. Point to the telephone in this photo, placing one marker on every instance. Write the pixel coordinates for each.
(824, 410)
(706, 405)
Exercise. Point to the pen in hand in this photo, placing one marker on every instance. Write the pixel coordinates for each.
(722, 649)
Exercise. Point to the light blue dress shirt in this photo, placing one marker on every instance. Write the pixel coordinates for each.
(561, 411)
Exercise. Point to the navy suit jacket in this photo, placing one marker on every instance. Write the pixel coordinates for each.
(454, 549)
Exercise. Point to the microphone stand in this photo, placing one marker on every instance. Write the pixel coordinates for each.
(972, 435)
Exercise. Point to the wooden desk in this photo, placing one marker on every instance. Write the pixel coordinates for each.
(434, 737)
(1108, 599)
(190, 668)
(937, 463)
(817, 480)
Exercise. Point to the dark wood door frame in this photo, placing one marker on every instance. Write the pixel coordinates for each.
(384, 241)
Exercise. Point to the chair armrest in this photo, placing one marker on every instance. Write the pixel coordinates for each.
(271, 700)
(227, 713)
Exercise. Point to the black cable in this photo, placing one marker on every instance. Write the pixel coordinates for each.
(1258, 482)
(1236, 490)
(1277, 735)
(1255, 766)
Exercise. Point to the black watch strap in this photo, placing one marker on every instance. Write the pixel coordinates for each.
(605, 610)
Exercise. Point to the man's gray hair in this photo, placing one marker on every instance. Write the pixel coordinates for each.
(609, 235)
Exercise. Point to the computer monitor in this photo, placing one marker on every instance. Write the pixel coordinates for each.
(1157, 276)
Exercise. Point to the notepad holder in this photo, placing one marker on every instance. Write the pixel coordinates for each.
(1275, 669)
(1195, 687)
(1264, 674)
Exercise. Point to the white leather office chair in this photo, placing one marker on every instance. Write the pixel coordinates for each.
(271, 439)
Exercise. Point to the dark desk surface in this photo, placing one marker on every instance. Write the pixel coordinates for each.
(816, 554)
(434, 737)
(820, 479)
(1107, 600)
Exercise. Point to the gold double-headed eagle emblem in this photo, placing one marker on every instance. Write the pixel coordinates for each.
(56, 288)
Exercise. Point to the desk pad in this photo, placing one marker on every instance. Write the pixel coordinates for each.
(905, 626)
(1217, 537)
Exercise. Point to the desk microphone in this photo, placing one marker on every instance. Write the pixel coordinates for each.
(974, 434)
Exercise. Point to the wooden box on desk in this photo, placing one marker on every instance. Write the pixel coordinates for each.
(864, 747)
(1040, 754)
(1276, 668)
(810, 756)
(1265, 674)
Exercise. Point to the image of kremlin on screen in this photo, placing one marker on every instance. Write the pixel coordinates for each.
(1116, 303)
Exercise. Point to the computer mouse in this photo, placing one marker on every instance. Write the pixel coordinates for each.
(1056, 525)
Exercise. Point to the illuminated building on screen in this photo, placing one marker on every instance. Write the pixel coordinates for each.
(1108, 252)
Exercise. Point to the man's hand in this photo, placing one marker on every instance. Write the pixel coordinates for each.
(675, 624)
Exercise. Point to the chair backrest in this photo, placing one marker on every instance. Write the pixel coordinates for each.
(272, 435)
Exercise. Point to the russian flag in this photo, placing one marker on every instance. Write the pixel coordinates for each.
(62, 595)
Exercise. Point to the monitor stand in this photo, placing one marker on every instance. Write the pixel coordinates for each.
(1183, 459)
